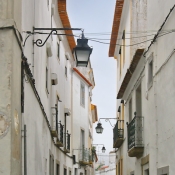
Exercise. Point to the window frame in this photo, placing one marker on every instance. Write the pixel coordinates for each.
(150, 71)
(130, 106)
(82, 94)
(47, 78)
(58, 50)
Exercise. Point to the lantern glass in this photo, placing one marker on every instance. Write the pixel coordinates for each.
(82, 52)
(103, 149)
(99, 128)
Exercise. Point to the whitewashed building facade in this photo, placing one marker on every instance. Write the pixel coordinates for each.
(142, 44)
(45, 101)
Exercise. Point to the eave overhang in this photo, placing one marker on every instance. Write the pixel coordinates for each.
(66, 23)
(82, 76)
(129, 73)
(115, 27)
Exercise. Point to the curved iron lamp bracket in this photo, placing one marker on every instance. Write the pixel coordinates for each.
(41, 43)
(107, 120)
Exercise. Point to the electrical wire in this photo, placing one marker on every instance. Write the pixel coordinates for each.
(122, 38)
(98, 40)
(160, 29)
(127, 32)
(131, 44)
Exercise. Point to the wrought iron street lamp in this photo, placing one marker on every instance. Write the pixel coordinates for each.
(99, 128)
(81, 52)
(103, 148)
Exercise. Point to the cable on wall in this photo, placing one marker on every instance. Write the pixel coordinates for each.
(158, 32)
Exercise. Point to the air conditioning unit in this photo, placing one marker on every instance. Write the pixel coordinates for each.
(67, 111)
(54, 79)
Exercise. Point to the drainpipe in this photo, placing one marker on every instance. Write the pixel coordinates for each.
(33, 41)
(72, 107)
(65, 115)
(25, 152)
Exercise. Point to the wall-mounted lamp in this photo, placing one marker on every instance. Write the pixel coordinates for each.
(99, 128)
(81, 52)
(103, 148)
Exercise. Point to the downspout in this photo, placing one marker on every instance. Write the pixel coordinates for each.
(33, 41)
(25, 152)
(65, 115)
(72, 109)
(155, 102)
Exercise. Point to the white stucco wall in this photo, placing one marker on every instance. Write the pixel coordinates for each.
(10, 89)
(158, 100)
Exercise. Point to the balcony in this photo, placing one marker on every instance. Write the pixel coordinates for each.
(85, 157)
(135, 137)
(54, 123)
(59, 140)
(118, 134)
(67, 144)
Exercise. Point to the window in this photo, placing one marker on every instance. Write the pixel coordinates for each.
(163, 171)
(47, 74)
(139, 101)
(146, 172)
(122, 53)
(119, 167)
(45, 167)
(57, 169)
(82, 94)
(121, 62)
(123, 47)
(132, 173)
(130, 110)
(122, 113)
(51, 165)
(75, 171)
(66, 71)
(69, 172)
(58, 107)
(82, 139)
(65, 171)
(150, 71)
(58, 50)
(47, 77)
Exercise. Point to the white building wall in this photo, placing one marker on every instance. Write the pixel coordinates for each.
(38, 101)
(10, 88)
(158, 100)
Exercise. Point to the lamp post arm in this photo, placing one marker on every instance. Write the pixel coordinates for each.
(39, 42)
(107, 120)
(35, 28)
(98, 144)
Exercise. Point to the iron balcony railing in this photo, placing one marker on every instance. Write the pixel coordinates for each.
(67, 146)
(85, 155)
(61, 133)
(135, 132)
(54, 123)
(118, 131)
